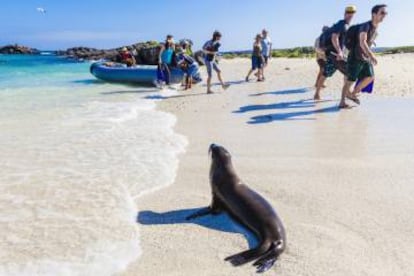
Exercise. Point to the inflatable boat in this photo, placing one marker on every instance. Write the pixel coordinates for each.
(140, 74)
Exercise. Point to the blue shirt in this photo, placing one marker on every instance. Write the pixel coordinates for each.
(166, 56)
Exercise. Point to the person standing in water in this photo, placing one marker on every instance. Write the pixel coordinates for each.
(361, 58)
(210, 50)
(257, 59)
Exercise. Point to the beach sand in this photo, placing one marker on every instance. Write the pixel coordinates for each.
(341, 181)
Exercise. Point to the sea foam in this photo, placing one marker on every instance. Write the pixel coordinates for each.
(74, 161)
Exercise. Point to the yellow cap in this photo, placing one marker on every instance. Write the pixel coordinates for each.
(351, 9)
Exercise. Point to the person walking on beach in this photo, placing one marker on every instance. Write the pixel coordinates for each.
(320, 55)
(361, 58)
(165, 59)
(333, 43)
(257, 59)
(210, 50)
(266, 48)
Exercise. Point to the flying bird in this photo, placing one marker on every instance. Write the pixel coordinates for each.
(41, 10)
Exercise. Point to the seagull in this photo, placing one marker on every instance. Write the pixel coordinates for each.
(41, 10)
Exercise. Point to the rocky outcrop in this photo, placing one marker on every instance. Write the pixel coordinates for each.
(145, 53)
(18, 49)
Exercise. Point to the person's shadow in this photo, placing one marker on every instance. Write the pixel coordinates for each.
(283, 105)
(290, 116)
(222, 222)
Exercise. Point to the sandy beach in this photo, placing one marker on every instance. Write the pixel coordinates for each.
(340, 180)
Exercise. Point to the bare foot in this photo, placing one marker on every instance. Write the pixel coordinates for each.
(225, 86)
(316, 97)
(344, 106)
(353, 98)
(210, 92)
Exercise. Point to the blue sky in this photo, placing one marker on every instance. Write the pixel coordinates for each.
(110, 23)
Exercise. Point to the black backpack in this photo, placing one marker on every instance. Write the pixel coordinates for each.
(351, 38)
(325, 39)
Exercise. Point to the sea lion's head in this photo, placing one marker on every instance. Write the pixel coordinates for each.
(219, 155)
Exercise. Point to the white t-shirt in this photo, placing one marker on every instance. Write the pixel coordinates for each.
(266, 46)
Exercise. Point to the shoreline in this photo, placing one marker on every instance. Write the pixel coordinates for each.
(172, 246)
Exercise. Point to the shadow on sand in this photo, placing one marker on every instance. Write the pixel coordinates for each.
(161, 97)
(234, 82)
(221, 222)
(310, 106)
(149, 90)
(283, 105)
(284, 92)
(88, 81)
(268, 118)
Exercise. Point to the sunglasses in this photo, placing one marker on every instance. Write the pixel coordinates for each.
(383, 13)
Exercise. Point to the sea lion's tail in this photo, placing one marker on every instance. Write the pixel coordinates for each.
(268, 259)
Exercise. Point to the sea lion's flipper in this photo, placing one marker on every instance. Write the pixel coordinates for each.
(264, 264)
(200, 213)
(215, 208)
(268, 259)
(248, 255)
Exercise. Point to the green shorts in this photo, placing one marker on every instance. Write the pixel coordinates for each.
(358, 70)
(332, 64)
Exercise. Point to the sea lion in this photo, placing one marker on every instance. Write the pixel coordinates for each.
(231, 195)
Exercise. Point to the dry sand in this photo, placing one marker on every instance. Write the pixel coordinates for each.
(342, 182)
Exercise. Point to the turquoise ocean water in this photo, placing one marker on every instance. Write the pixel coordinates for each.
(75, 154)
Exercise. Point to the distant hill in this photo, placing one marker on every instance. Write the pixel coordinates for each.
(306, 52)
(297, 52)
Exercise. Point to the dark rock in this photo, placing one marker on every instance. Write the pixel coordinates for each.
(18, 49)
(145, 53)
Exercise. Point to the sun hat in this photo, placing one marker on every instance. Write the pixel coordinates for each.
(351, 9)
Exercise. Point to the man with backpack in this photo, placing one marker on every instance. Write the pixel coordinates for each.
(320, 56)
(332, 41)
(361, 59)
